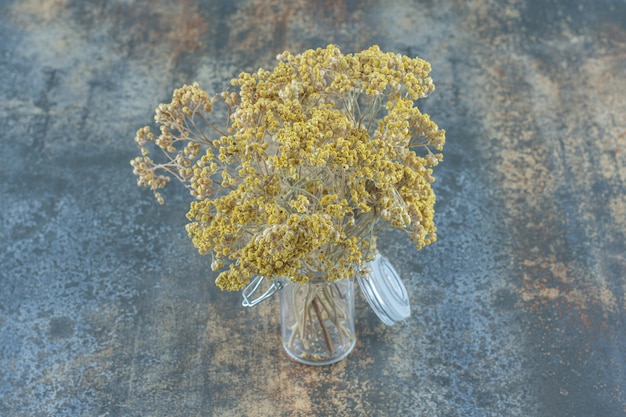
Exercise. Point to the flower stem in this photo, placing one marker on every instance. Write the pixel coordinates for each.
(318, 313)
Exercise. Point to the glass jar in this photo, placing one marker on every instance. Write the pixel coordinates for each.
(317, 320)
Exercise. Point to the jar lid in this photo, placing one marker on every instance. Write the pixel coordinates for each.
(385, 292)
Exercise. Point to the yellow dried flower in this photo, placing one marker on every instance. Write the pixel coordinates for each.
(314, 155)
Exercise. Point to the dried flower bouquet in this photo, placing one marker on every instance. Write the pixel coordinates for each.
(296, 171)
(307, 163)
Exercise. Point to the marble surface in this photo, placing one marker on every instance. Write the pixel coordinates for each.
(518, 309)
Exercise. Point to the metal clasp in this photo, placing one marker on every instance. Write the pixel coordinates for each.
(251, 288)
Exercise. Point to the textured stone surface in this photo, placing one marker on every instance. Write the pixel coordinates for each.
(518, 309)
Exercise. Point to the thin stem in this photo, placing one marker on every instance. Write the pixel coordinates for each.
(374, 109)
(211, 125)
(318, 313)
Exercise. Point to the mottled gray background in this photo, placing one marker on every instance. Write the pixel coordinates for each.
(518, 309)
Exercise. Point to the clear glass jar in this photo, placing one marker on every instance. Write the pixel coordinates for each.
(317, 320)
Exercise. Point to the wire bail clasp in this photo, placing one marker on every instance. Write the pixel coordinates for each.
(252, 287)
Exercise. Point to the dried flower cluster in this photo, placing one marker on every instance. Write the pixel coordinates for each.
(313, 158)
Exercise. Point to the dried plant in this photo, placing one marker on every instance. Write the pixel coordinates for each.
(308, 163)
